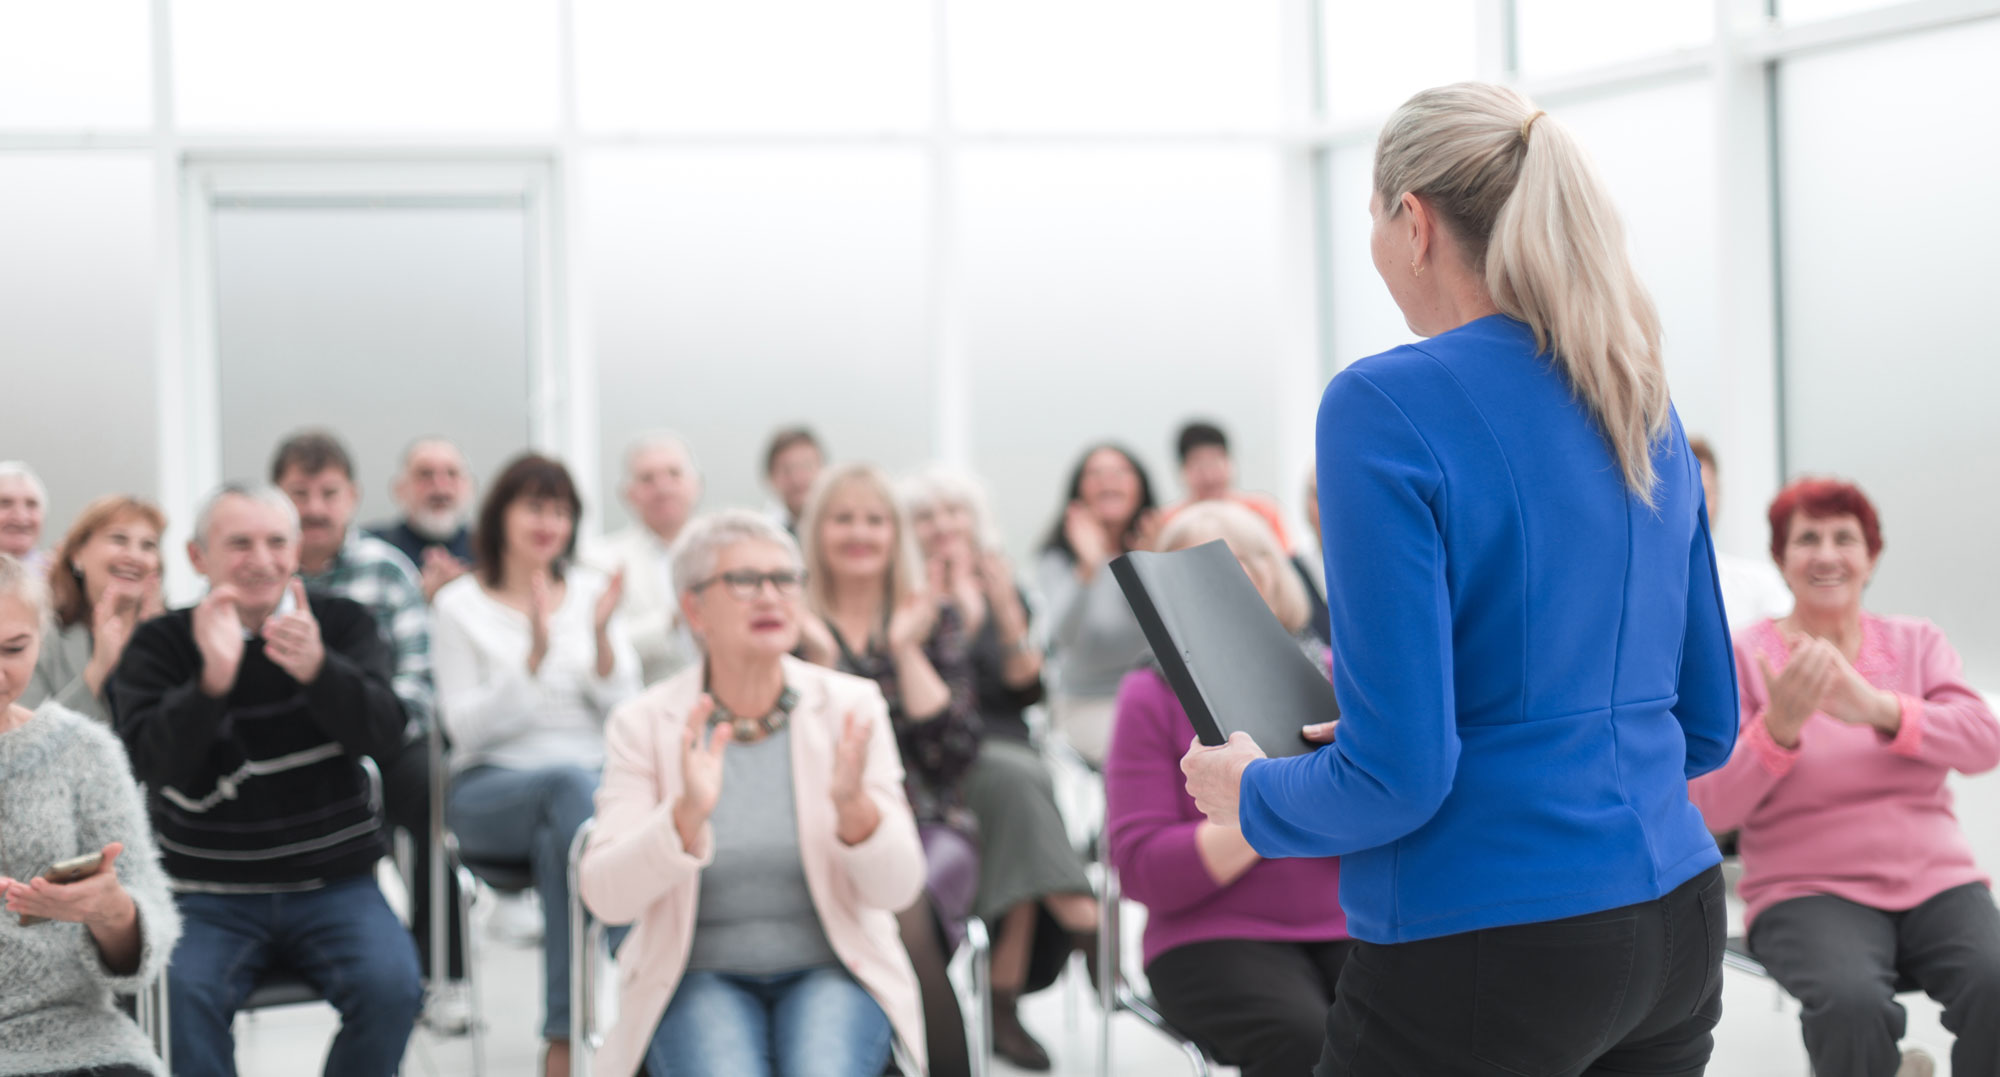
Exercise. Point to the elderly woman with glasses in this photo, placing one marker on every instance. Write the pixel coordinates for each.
(752, 827)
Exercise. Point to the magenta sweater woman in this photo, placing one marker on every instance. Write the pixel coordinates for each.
(1855, 871)
(1242, 953)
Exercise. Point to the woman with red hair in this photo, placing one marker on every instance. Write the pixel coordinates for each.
(1855, 871)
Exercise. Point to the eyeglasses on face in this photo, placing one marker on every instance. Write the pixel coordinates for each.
(744, 585)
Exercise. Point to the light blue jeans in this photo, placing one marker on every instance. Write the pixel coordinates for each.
(815, 1022)
(501, 814)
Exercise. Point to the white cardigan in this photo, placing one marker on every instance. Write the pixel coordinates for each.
(494, 710)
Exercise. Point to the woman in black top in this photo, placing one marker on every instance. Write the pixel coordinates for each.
(872, 616)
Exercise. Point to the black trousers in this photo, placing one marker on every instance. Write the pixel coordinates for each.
(1632, 990)
(1257, 1005)
(101, 1071)
(1844, 961)
(406, 801)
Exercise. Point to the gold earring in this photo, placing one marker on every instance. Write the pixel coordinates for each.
(1416, 269)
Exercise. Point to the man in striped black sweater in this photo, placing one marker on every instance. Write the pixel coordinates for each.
(247, 717)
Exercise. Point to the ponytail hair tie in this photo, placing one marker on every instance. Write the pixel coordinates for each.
(1529, 124)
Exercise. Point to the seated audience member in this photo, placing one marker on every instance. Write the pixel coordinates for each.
(247, 717)
(66, 790)
(1752, 590)
(662, 487)
(1208, 473)
(1855, 871)
(316, 472)
(752, 822)
(792, 464)
(103, 581)
(530, 661)
(872, 616)
(1093, 639)
(1032, 885)
(23, 500)
(1242, 953)
(434, 490)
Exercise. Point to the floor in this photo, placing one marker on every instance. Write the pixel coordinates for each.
(1758, 1036)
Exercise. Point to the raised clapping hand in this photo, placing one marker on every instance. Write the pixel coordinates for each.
(850, 760)
(1086, 536)
(96, 899)
(910, 625)
(1215, 775)
(218, 633)
(701, 770)
(1819, 679)
(440, 568)
(292, 641)
(607, 603)
(118, 611)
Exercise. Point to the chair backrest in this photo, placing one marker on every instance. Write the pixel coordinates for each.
(586, 941)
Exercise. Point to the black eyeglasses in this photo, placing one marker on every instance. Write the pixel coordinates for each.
(745, 585)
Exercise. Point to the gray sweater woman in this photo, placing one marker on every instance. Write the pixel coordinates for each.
(66, 790)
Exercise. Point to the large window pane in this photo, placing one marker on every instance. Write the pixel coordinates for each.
(381, 321)
(1554, 37)
(76, 326)
(732, 291)
(1656, 151)
(366, 65)
(791, 65)
(1112, 64)
(75, 64)
(1365, 319)
(1889, 224)
(1373, 56)
(1113, 294)
(1807, 10)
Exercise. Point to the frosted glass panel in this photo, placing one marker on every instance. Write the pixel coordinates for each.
(1374, 55)
(369, 65)
(1888, 325)
(77, 63)
(1656, 151)
(384, 323)
(1098, 64)
(1553, 37)
(1115, 294)
(789, 65)
(76, 326)
(732, 291)
(1365, 319)
(1808, 10)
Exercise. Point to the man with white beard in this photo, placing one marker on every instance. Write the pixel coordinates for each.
(434, 490)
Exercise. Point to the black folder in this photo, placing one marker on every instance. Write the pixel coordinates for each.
(1233, 666)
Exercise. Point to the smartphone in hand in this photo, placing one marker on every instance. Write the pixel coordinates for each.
(72, 870)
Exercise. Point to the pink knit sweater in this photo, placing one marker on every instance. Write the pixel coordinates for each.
(1851, 812)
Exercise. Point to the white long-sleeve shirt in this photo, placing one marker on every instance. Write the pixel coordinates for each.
(495, 711)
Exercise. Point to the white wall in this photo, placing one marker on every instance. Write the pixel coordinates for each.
(1889, 226)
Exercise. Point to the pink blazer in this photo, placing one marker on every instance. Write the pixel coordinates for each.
(636, 871)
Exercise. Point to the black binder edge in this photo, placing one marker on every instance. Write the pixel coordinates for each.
(1166, 651)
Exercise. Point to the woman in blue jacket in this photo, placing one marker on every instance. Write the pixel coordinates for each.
(1530, 649)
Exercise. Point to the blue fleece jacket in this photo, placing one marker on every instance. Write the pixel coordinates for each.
(1530, 662)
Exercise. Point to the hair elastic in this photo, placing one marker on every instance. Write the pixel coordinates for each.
(1529, 123)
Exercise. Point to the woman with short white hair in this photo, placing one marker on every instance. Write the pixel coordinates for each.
(23, 501)
(1032, 885)
(751, 825)
(66, 791)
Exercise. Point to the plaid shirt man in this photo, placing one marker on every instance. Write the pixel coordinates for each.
(375, 574)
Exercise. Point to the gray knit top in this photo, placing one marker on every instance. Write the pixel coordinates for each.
(66, 790)
(755, 915)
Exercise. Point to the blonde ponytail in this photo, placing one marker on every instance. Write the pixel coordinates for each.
(1521, 195)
